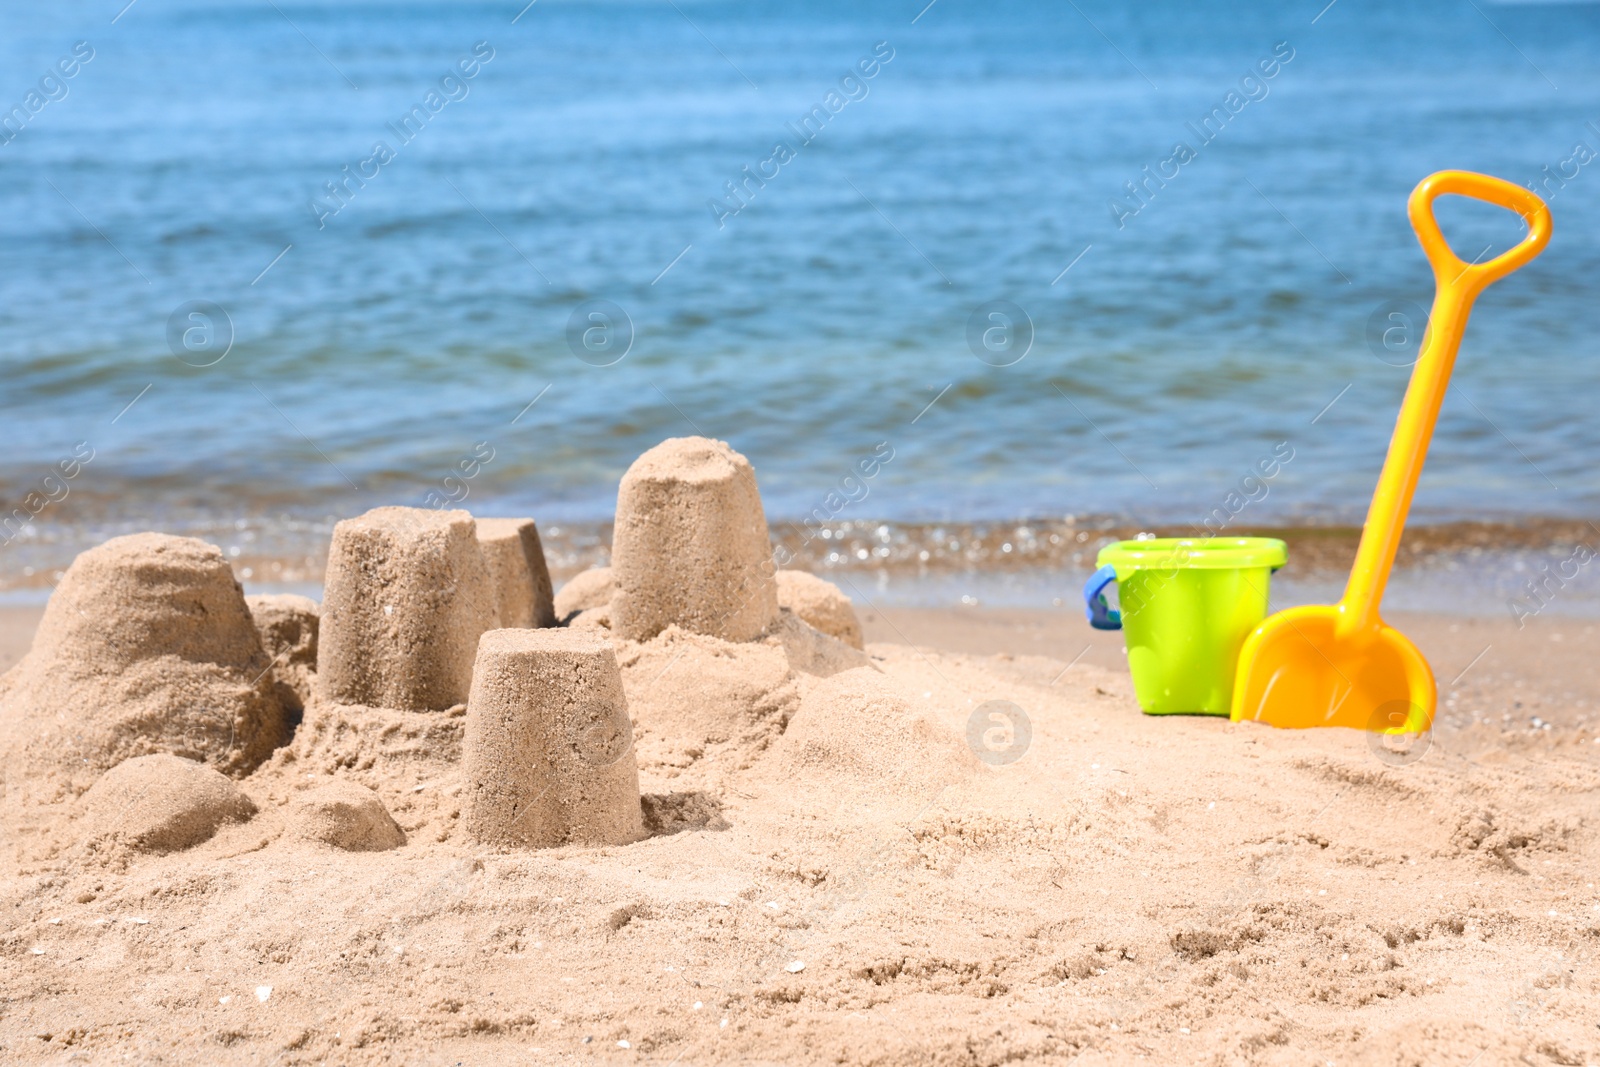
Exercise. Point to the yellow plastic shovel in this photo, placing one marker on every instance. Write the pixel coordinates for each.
(1341, 665)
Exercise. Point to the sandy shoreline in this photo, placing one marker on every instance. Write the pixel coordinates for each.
(1543, 670)
(1131, 889)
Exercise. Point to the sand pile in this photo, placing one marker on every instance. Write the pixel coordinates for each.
(817, 602)
(517, 571)
(820, 604)
(146, 646)
(288, 628)
(690, 547)
(861, 728)
(705, 709)
(407, 596)
(701, 702)
(590, 589)
(160, 804)
(346, 815)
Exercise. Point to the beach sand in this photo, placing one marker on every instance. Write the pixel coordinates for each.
(1131, 888)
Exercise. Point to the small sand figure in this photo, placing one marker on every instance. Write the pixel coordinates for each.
(407, 596)
(691, 546)
(517, 568)
(548, 753)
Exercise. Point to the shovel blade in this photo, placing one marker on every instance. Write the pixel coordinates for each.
(1295, 671)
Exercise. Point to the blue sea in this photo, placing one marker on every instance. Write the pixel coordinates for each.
(283, 261)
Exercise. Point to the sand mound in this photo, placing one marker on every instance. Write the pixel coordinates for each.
(705, 708)
(345, 815)
(821, 604)
(146, 646)
(162, 804)
(288, 628)
(548, 753)
(691, 547)
(592, 619)
(590, 589)
(812, 652)
(704, 703)
(412, 761)
(407, 596)
(517, 570)
(859, 727)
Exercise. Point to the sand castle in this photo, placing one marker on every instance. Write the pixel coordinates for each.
(518, 572)
(438, 642)
(146, 646)
(691, 547)
(406, 597)
(548, 752)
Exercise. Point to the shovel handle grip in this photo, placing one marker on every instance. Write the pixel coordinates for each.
(1448, 268)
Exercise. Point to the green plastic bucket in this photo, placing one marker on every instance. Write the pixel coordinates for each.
(1187, 604)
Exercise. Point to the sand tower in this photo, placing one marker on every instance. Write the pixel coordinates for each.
(146, 647)
(548, 752)
(521, 580)
(407, 596)
(691, 545)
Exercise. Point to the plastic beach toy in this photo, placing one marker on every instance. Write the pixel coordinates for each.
(1187, 605)
(1340, 664)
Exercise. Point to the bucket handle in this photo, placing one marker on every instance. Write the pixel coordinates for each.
(1101, 614)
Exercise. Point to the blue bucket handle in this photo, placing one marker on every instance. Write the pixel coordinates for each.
(1101, 615)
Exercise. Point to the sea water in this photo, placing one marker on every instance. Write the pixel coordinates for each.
(296, 259)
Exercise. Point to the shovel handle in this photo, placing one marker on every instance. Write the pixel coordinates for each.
(1458, 286)
(1448, 269)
